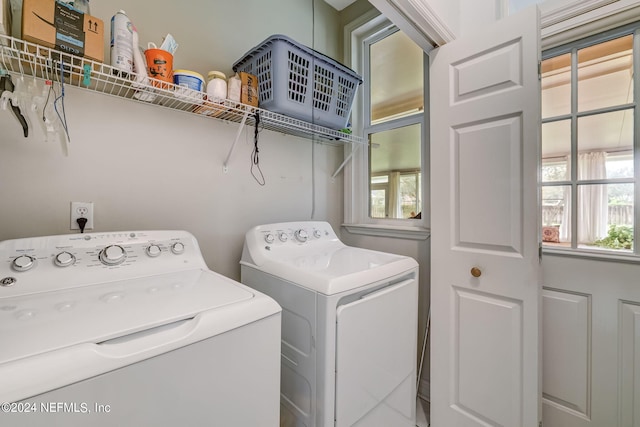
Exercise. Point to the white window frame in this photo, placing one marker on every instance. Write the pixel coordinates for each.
(573, 181)
(578, 20)
(356, 173)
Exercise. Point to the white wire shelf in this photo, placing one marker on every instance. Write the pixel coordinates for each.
(25, 58)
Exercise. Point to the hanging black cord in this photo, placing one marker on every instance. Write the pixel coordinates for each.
(255, 160)
(63, 116)
(44, 119)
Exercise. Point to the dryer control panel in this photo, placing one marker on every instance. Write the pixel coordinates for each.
(293, 233)
(41, 264)
(289, 240)
(296, 233)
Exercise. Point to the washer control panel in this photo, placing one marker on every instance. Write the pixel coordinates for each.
(40, 264)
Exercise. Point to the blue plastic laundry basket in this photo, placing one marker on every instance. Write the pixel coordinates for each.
(299, 82)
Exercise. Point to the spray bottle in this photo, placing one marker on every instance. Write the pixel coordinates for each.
(121, 44)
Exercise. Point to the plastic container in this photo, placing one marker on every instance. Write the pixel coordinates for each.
(188, 79)
(216, 86)
(189, 85)
(139, 65)
(299, 82)
(234, 88)
(121, 43)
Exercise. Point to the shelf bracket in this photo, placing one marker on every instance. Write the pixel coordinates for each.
(225, 165)
(353, 151)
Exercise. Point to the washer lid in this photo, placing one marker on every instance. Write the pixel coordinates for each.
(335, 268)
(39, 323)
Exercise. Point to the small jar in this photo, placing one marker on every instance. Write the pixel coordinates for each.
(216, 86)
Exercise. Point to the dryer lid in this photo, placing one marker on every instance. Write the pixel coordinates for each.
(47, 321)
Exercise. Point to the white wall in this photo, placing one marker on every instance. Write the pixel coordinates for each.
(213, 34)
(146, 167)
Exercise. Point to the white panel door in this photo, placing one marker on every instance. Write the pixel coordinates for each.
(566, 357)
(485, 286)
(591, 347)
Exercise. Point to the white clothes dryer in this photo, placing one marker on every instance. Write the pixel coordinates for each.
(132, 329)
(349, 325)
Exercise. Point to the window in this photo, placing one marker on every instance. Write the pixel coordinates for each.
(396, 190)
(589, 147)
(394, 167)
(393, 125)
(387, 184)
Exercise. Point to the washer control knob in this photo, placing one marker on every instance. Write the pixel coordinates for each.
(283, 236)
(23, 263)
(269, 238)
(153, 250)
(113, 255)
(317, 234)
(177, 248)
(64, 259)
(301, 235)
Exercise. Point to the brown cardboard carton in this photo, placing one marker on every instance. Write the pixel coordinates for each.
(211, 109)
(249, 93)
(57, 25)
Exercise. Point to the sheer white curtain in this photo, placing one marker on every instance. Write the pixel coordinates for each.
(395, 208)
(592, 199)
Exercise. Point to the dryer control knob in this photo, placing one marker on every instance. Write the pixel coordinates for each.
(153, 250)
(23, 263)
(64, 259)
(317, 234)
(177, 248)
(269, 238)
(302, 236)
(283, 236)
(113, 255)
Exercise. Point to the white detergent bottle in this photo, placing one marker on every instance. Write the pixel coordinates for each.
(121, 44)
(139, 66)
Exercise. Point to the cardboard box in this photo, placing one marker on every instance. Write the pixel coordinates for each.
(210, 109)
(58, 25)
(249, 93)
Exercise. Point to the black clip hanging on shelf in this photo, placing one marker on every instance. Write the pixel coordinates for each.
(59, 72)
(6, 85)
(255, 160)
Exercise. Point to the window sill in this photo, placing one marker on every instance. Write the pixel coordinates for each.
(398, 232)
(596, 255)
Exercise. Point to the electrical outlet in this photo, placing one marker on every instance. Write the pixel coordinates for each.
(82, 210)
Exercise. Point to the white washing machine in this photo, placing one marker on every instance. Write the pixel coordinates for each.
(349, 325)
(132, 329)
